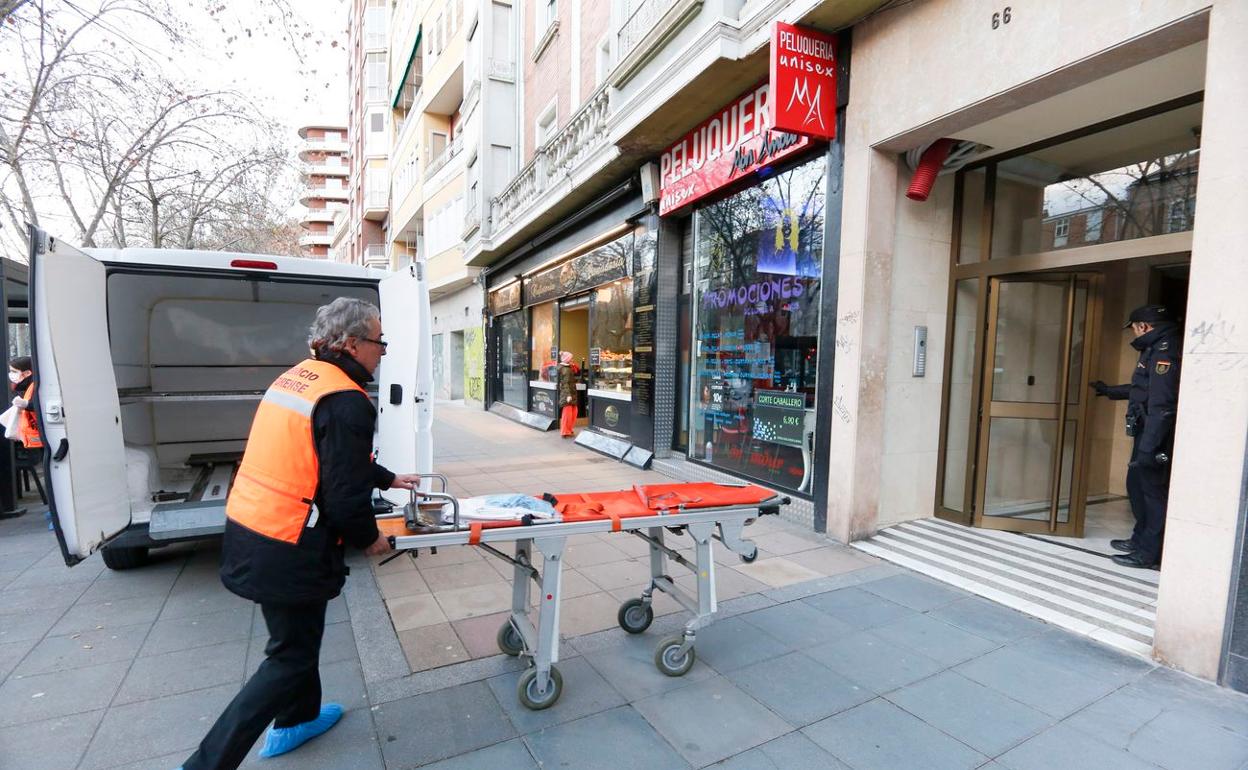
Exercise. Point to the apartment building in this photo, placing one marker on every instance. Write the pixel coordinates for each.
(363, 240)
(751, 303)
(324, 170)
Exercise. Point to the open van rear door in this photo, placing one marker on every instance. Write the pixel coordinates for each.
(405, 377)
(79, 412)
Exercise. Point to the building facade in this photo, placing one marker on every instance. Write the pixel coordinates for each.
(324, 168)
(884, 359)
(366, 222)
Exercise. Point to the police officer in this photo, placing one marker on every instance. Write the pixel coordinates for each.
(1152, 400)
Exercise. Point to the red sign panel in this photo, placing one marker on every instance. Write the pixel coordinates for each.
(803, 81)
(732, 143)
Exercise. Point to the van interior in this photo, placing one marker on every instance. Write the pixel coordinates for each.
(192, 354)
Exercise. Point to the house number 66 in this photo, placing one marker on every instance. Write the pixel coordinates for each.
(1001, 18)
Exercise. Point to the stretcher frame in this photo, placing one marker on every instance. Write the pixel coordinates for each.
(541, 684)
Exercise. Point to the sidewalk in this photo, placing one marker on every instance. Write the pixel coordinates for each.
(874, 667)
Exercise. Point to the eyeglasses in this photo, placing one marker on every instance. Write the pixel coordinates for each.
(382, 343)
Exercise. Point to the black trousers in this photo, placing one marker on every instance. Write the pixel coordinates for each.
(1148, 490)
(285, 690)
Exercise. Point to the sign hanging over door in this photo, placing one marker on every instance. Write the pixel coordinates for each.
(803, 81)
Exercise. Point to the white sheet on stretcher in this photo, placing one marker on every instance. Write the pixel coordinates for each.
(479, 509)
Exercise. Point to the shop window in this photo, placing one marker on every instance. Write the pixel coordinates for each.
(756, 296)
(1134, 180)
(544, 354)
(513, 359)
(611, 337)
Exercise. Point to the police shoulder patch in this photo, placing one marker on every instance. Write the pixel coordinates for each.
(1162, 367)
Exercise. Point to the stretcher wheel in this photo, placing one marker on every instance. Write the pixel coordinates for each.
(749, 559)
(509, 639)
(635, 616)
(526, 689)
(670, 660)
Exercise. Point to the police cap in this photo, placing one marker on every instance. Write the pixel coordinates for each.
(1149, 314)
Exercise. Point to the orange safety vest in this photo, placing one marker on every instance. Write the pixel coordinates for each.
(276, 483)
(28, 427)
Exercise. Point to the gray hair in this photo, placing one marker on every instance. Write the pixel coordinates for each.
(334, 323)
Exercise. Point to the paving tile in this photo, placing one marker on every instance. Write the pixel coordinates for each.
(440, 724)
(572, 584)
(1179, 741)
(588, 552)
(184, 633)
(910, 591)
(11, 653)
(432, 647)
(935, 639)
(108, 614)
(508, 755)
(989, 620)
(1115, 718)
(158, 676)
(799, 688)
(788, 752)
(587, 614)
(90, 648)
(1043, 685)
(18, 600)
(60, 693)
(784, 543)
(59, 575)
(200, 600)
(165, 762)
(873, 662)
(135, 584)
(711, 720)
(474, 573)
(857, 608)
(729, 584)
(463, 603)
(53, 744)
(777, 571)
(980, 717)
(479, 635)
(831, 560)
(629, 668)
(618, 574)
(1216, 705)
(1062, 746)
(585, 692)
(634, 744)
(28, 626)
(877, 734)
(335, 612)
(426, 559)
(156, 727)
(338, 643)
(1082, 655)
(408, 612)
(796, 624)
(733, 643)
(406, 583)
(661, 603)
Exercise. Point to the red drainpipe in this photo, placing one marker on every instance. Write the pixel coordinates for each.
(929, 166)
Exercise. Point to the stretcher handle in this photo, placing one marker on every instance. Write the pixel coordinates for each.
(435, 476)
(444, 497)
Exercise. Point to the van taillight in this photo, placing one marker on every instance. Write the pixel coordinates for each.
(253, 264)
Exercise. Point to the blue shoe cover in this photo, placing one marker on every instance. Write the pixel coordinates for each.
(281, 740)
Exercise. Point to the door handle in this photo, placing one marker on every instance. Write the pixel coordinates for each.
(396, 394)
(62, 449)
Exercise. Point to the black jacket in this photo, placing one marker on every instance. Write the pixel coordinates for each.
(1153, 393)
(273, 572)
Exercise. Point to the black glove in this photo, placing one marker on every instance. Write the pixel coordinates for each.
(1152, 461)
(1101, 388)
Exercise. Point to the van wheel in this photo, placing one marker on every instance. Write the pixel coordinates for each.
(124, 558)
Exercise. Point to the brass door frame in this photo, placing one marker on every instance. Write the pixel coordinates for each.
(1061, 412)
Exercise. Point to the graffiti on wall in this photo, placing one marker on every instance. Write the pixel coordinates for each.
(441, 387)
(474, 365)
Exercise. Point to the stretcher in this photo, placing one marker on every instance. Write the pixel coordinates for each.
(706, 511)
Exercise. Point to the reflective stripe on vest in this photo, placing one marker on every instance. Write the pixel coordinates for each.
(276, 483)
(28, 426)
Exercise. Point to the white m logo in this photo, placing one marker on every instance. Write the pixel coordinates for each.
(801, 95)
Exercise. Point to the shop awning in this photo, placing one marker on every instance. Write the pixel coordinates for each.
(407, 69)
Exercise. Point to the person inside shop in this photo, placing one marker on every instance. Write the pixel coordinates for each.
(567, 395)
(302, 493)
(1152, 399)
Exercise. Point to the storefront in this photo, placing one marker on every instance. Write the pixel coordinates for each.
(751, 204)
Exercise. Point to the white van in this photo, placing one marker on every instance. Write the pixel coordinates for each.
(150, 364)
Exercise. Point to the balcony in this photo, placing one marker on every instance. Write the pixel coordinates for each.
(472, 213)
(444, 157)
(327, 191)
(323, 144)
(648, 26)
(554, 162)
(501, 70)
(316, 239)
(318, 215)
(376, 203)
(375, 256)
(332, 166)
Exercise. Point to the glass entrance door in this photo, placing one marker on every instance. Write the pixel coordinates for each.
(1029, 473)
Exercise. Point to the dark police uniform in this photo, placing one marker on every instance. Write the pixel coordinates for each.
(1152, 397)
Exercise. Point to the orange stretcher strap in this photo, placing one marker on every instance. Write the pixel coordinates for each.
(474, 533)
